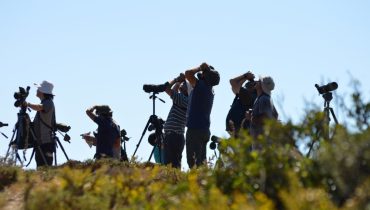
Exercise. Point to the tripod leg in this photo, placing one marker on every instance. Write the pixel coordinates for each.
(141, 138)
(309, 151)
(151, 154)
(334, 117)
(61, 147)
(10, 144)
(33, 153)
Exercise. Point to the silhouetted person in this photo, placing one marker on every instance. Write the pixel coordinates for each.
(107, 137)
(44, 123)
(199, 111)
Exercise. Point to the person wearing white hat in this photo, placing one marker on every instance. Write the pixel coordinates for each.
(263, 107)
(44, 122)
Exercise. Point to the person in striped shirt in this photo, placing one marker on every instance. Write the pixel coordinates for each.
(174, 127)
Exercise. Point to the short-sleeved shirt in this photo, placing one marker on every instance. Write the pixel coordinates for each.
(200, 106)
(263, 106)
(176, 119)
(44, 132)
(108, 132)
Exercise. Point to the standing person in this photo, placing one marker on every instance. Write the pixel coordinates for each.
(263, 107)
(243, 101)
(174, 128)
(44, 123)
(107, 138)
(199, 111)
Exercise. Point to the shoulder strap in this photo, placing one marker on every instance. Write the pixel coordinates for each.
(53, 127)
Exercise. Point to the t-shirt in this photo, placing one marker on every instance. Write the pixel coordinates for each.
(262, 106)
(44, 132)
(200, 106)
(106, 136)
(176, 119)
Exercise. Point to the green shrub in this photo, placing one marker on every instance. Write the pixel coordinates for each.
(8, 175)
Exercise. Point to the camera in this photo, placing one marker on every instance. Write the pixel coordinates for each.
(63, 127)
(326, 88)
(155, 88)
(3, 124)
(20, 96)
(156, 123)
(123, 135)
(215, 140)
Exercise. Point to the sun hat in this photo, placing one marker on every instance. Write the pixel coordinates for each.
(267, 84)
(45, 87)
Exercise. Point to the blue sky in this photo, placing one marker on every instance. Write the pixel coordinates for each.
(102, 52)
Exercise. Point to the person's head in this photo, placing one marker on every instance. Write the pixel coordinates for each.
(250, 86)
(45, 90)
(210, 75)
(265, 85)
(103, 110)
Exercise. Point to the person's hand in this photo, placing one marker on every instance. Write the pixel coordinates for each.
(91, 109)
(180, 78)
(249, 75)
(248, 115)
(24, 104)
(204, 67)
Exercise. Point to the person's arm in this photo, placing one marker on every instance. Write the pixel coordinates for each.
(90, 113)
(190, 75)
(175, 84)
(237, 82)
(36, 107)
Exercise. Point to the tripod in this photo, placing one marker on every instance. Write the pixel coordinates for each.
(328, 96)
(23, 122)
(124, 138)
(213, 146)
(2, 125)
(155, 122)
(61, 147)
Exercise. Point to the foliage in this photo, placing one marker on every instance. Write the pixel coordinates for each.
(8, 175)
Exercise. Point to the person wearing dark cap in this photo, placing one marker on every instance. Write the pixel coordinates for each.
(108, 133)
(43, 123)
(263, 107)
(200, 104)
(245, 95)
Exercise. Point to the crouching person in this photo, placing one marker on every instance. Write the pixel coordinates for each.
(107, 138)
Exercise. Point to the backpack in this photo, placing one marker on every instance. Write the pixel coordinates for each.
(235, 114)
(241, 103)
